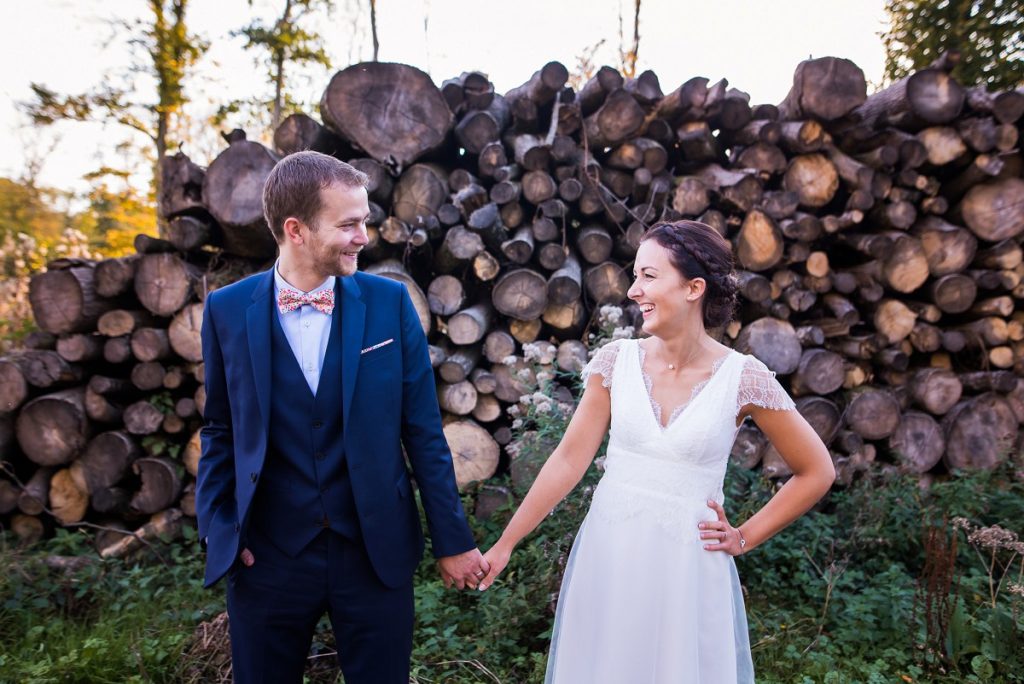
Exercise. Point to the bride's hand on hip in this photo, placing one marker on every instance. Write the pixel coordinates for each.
(721, 535)
(498, 557)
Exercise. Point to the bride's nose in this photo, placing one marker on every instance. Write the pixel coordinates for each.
(634, 290)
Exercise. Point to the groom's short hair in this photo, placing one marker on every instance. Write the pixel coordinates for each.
(293, 187)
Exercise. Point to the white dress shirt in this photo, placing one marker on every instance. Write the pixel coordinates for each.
(306, 329)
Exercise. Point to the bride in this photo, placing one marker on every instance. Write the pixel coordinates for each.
(650, 593)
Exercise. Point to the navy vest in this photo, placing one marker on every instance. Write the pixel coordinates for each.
(305, 487)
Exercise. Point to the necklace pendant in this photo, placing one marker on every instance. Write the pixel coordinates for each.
(671, 366)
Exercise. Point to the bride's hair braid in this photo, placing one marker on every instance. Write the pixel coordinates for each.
(698, 251)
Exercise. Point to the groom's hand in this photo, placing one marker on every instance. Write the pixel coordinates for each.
(247, 558)
(463, 570)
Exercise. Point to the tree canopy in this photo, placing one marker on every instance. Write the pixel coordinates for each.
(988, 34)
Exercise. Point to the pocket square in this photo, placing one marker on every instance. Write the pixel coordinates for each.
(377, 346)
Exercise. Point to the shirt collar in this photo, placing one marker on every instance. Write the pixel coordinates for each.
(280, 283)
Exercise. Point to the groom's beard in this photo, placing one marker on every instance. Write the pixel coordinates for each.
(331, 261)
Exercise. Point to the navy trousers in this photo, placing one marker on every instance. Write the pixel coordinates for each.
(274, 607)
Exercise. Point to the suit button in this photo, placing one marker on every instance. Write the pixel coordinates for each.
(237, 527)
(254, 476)
(320, 455)
(317, 424)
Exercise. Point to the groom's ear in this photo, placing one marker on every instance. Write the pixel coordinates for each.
(292, 229)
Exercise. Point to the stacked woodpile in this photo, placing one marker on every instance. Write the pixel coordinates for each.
(878, 237)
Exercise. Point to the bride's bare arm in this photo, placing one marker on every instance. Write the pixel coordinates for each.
(813, 475)
(561, 472)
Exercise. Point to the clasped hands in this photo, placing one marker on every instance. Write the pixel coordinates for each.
(463, 570)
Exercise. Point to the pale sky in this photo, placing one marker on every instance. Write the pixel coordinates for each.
(68, 46)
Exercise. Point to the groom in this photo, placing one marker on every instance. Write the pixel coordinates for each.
(317, 378)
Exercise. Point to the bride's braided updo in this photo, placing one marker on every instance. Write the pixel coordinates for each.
(698, 251)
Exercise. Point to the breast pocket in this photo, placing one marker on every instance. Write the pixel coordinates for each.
(376, 356)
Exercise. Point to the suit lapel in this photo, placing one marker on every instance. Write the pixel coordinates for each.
(353, 319)
(258, 321)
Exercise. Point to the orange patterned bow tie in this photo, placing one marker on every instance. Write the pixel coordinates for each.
(321, 300)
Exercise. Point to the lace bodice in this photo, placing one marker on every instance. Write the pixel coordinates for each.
(758, 386)
(669, 473)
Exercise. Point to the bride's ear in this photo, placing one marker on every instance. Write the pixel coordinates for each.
(695, 289)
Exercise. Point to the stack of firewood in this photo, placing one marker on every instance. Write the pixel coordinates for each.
(878, 241)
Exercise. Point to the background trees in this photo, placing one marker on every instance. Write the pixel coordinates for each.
(989, 34)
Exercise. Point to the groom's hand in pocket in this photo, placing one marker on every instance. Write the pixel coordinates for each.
(463, 570)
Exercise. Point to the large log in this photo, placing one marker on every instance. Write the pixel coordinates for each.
(520, 294)
(873, 413)
(184, 332)
(164, 283)
(928, 96)
(419, 193)
(994, 211)
(299, 132)
(825, 89)
(772, 341)
(233, 193)
(392, 111)
(980, 432)
(53, 429)
(64, 300)
(161, 484)
(474, 451)
(181, 186)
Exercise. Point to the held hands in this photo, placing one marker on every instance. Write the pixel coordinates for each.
(497, 557)
(464, 570)
(724, 536)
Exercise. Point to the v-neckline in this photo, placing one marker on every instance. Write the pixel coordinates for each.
(655, 409)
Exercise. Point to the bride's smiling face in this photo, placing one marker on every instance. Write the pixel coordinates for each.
(666, 298)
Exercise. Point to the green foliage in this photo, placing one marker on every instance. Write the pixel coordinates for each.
(99, 621)
(989, 34)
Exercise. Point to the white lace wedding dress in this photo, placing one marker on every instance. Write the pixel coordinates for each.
(642, 602)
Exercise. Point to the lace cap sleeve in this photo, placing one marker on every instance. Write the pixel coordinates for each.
(603, 363)
(759, 387)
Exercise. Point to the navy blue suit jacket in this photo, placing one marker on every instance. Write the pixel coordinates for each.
(389, 402)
